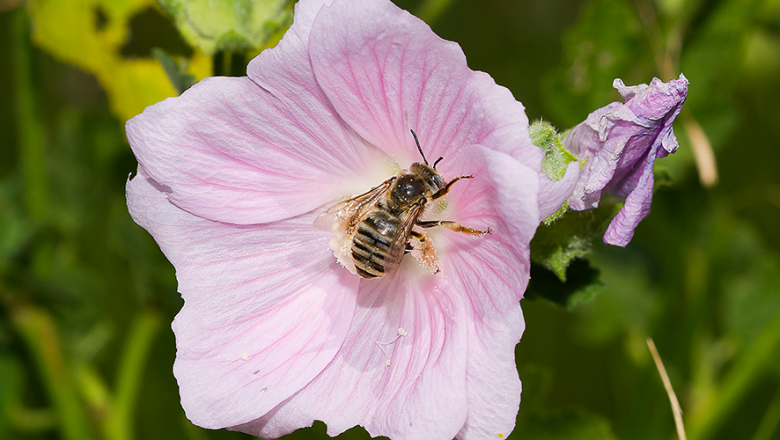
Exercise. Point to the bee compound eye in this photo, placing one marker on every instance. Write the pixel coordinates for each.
(438, 181)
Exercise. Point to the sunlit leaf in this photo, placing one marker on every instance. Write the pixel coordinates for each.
(230, 25)
(91, 33)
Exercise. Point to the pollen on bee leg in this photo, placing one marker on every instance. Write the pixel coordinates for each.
(342, 249)
(424, 252)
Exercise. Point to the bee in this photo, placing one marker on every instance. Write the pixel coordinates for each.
(373, 231)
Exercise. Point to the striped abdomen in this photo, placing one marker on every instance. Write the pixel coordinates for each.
(372, 243)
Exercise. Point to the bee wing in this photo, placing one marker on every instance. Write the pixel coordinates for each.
(397, 247)
(349, 213)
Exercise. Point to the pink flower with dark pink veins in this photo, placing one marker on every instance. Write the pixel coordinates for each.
(275, 332)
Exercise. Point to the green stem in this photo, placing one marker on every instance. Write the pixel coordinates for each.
(739, 380)
(94, 392)
(39, 333)
(119, 423)
(430, 10)
(29, 127)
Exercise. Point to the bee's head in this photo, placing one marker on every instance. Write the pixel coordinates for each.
(428, 176)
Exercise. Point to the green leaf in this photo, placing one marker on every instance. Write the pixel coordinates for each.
(556, 158)
(582, 284)
(68, 31)
(231, 25)
(571, 236)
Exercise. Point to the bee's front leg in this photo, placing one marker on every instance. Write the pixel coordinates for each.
(446, 188)
(454, 226)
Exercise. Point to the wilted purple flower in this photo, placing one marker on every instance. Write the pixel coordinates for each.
(619, 144)
(274, 332)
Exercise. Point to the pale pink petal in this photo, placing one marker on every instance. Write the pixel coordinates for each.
(286, 73)
(266, 307)
(553, 193)
(492, 383)
(492, 272)
(386, 72)
(501, 196)
(400, 372)
(235, 152)
(401, 362)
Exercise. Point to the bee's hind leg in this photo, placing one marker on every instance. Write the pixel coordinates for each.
(423, 251)
(417, 236)
(454, 226)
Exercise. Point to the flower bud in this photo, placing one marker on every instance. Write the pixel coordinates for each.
(618, 145)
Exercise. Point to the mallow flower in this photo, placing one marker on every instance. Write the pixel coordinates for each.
(274, 332)
(619, 144)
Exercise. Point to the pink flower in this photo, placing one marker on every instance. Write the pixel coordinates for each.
(274, 332)
(619, 144)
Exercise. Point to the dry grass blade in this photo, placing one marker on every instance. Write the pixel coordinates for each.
(676, 410)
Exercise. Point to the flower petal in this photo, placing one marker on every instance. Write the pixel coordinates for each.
(400, 372)
(501, 196)
(492, 272)
(492, 382)
(386, 72)
(235, 152)
(266, 307)
(619, 144)
(286, 72)
(553, 193)
(621, 229)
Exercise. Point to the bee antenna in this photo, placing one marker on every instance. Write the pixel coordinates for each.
(419, 148)
(437, 161)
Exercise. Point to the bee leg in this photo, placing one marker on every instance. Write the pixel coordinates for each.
(446, 188)
(454, 226)
(424, 252)
(419, 237)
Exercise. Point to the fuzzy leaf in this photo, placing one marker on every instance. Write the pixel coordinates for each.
(582, 284)
(557, 244)
(556, 158)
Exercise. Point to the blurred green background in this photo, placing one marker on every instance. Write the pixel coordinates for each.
(86, 297)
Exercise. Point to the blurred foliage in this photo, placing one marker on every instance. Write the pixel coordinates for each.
(86, 295)
(106, 38)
